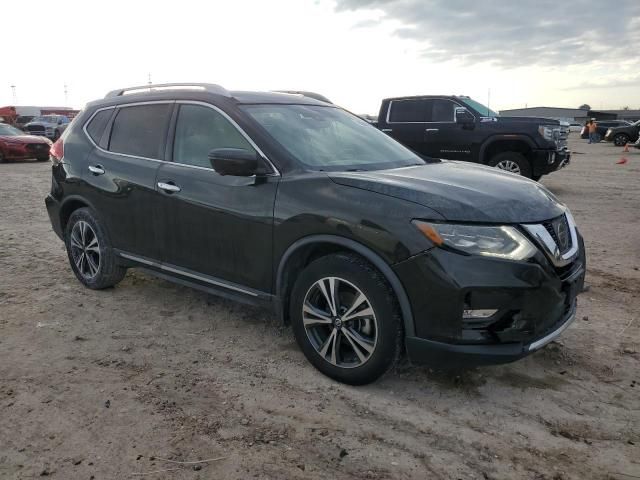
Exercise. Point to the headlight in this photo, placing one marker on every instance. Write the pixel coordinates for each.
(549, 133)
(502, 242)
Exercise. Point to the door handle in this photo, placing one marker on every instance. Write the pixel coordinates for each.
(168, 187)
(387, 129)
(96, 169)
(432, 130)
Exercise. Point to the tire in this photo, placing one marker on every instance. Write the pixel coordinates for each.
(367, 342)
(621, 139)
(513, 162)
(536, 177)
(84, 235)
(56, 135)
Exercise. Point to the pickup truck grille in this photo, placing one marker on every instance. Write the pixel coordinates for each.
(35, 129)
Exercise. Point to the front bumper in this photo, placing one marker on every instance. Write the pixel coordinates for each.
(547, 161)
(22, 151)
(534, 303)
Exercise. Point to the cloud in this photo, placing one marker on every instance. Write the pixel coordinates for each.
(509, 34)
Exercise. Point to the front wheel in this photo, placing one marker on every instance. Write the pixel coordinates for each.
(90, 254)
(621, 139)
(346, 318)
(513, 162)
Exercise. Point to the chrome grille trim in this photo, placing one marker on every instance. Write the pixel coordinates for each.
(549, 245)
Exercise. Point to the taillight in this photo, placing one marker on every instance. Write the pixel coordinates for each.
(57, 151)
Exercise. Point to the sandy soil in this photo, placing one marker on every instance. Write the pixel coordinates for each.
(111, 384)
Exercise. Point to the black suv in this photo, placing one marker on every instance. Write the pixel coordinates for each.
(281, 200)
(459, 128)
(624, 134)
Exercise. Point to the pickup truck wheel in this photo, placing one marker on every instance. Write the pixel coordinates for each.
(56, 135)
(346, 319)
(621, 139)
(513, 162)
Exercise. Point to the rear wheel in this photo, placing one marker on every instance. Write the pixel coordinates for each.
(90, 254)
(346, 318)
(621, 139)
(513, 162)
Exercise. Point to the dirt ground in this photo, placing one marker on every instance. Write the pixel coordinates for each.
(114, 384)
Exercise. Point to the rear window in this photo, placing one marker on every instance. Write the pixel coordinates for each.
(96, 126)
(408, 111)
(140, 130)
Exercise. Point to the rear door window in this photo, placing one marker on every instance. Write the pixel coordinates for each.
(140, 130)
(409, 111)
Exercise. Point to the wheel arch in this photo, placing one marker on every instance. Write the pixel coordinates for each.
(70, 205)
(511, 143)
(305, 250)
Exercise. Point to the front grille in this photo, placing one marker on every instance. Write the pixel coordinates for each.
(38, 147)
(559, 230)
(36, 129)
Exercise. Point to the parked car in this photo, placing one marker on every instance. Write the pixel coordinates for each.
(279, 200)
(459, 128)
(15, 145)
(50, 126)
(602, 127)
(622, 135)
(22, 120)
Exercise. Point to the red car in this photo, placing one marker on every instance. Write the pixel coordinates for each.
(15, 145)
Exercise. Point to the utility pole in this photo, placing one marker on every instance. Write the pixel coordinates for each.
(13, 91)
(66, 96)
(149, 78)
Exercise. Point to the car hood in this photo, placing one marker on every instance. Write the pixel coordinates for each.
(23, 139)
(461, 191)
(41, 124)
(531, 120)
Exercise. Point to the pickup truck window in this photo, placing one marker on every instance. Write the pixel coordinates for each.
(442, 111)
(330, 139)
(410, 110)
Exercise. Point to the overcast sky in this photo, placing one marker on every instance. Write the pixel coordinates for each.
(356, 52)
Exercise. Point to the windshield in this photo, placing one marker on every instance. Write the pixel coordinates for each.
(10, 131)
(46, 119)
(327, 138)
(480, 108)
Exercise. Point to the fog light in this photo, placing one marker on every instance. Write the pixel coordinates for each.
(480, 314)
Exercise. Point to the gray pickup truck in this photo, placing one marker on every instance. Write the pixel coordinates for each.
(50, 126)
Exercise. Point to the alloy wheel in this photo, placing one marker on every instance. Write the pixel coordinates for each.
(620, 140)
(340, 322)
(85, 249)
(509, 166)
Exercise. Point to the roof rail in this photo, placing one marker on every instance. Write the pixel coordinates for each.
(208, 87)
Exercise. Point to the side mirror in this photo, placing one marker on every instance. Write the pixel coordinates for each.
(236, 162)
(463, 116)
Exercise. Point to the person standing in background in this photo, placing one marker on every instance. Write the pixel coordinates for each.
(593, 131)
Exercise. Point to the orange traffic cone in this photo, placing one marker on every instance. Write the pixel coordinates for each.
(626, 148)
(622, 161)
